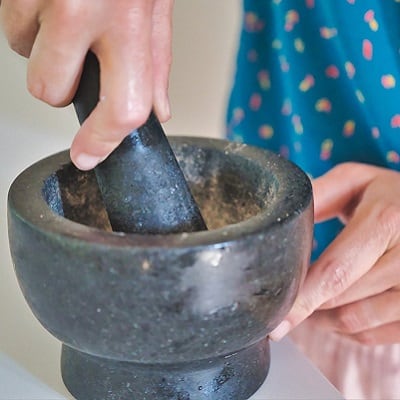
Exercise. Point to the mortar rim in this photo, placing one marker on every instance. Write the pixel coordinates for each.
(49, 222)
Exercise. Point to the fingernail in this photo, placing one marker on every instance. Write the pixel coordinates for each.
(86, 161)
(280, 331)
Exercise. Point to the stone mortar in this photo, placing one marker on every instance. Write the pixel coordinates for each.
(179, 316)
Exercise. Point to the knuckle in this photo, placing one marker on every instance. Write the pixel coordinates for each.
(19, 47)
(388, 217)
(344, 168)
(39, 89)
(366, 338)
(67, 11)
(68, 16)
(18, 25)
(35, 87)
(18, 39)
(350, 320)
(126, 119)
(338, 278)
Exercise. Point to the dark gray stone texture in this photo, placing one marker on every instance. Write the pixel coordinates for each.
(171, 305)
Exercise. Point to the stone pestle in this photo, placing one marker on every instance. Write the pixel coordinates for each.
(142, 186)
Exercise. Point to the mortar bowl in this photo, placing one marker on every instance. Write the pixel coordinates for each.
(179, 316)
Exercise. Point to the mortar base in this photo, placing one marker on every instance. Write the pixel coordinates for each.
(232, 377)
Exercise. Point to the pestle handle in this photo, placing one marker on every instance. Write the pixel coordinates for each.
(142, 185)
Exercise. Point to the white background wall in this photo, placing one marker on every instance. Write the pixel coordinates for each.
(204, 42)
(205, 33)
(205, 39)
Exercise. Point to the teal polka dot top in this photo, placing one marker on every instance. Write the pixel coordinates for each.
(318, 81)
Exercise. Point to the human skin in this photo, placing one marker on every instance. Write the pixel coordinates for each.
(131, 39)
(353, 288)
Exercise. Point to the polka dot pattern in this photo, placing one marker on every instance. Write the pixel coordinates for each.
(316, 80)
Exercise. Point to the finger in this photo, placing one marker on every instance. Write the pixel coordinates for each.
(384, 334)
(162, 56)
(361, 316)
(348, 258)
(383, 276)
(57, 55)
(372, 230)
(337, 191)
(125, 87)
(19, 19)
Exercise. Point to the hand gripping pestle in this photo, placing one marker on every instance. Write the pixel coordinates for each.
(142, 185)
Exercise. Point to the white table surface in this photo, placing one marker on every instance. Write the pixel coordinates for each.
(29, 355)
(291, 376)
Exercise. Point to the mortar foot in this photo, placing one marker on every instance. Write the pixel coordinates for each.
(233, 377)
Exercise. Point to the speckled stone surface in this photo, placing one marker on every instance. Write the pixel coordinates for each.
(143, 167)
(173, 306)
(154, 196)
